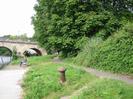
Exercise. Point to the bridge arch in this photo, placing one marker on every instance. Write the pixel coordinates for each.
(21, 46)
(7, 49)
(37, 50)
(32, 52)
(6, 56)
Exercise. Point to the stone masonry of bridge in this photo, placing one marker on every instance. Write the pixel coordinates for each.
(21, 46)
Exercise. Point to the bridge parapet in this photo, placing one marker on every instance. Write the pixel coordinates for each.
(21, 46)
(20, 42)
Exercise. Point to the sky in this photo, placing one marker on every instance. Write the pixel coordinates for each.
(15, 17)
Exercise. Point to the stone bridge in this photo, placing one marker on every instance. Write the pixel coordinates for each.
(22, 46)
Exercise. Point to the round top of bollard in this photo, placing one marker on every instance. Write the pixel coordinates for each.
(62, 69)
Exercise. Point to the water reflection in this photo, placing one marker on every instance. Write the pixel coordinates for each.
(5, 56)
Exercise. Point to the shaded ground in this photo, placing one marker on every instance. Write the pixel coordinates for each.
(9, 82)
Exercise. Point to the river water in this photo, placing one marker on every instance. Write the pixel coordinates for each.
(5, 60)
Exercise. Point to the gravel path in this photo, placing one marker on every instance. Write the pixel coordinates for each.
(9, 83)
(98, 73)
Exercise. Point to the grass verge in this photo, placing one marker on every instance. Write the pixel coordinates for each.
(106, 89)
(42, 82)
(34, 60)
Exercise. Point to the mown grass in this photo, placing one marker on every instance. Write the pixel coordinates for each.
(42, 82)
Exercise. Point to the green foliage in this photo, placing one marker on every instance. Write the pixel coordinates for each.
(106, 89)
(61, 24)
(34, 60)
(118, 7)
(129, 28)
(17, 37)
(5, 51)
(40, 59)
(42, 80)
(21, 37)
(14, 54)
(114, 54)
(86, 54)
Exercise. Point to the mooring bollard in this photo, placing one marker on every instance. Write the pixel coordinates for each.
(62, 74)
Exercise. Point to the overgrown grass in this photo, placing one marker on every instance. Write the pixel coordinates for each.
(16, 62)
(87, 53)
(34, 60)
(106, 89)
(39, 59)
(42, 82)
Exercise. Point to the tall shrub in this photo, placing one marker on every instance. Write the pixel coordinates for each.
(116, 53)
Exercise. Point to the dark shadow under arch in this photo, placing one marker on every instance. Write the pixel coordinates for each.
(9, 51)
(28, 53)
(37, 51)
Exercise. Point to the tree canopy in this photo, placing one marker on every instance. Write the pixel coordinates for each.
(64, 25)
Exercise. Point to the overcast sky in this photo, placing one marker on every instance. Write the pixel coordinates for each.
(15, 17)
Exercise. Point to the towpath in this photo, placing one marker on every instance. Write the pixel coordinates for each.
(9, 82)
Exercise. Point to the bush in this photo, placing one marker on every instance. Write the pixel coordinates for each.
(15, 56)
(115, 54)
(88, 51)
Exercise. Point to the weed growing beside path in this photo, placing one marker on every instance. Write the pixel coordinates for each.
(106, 89)
(42, 82)
(34, 60)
